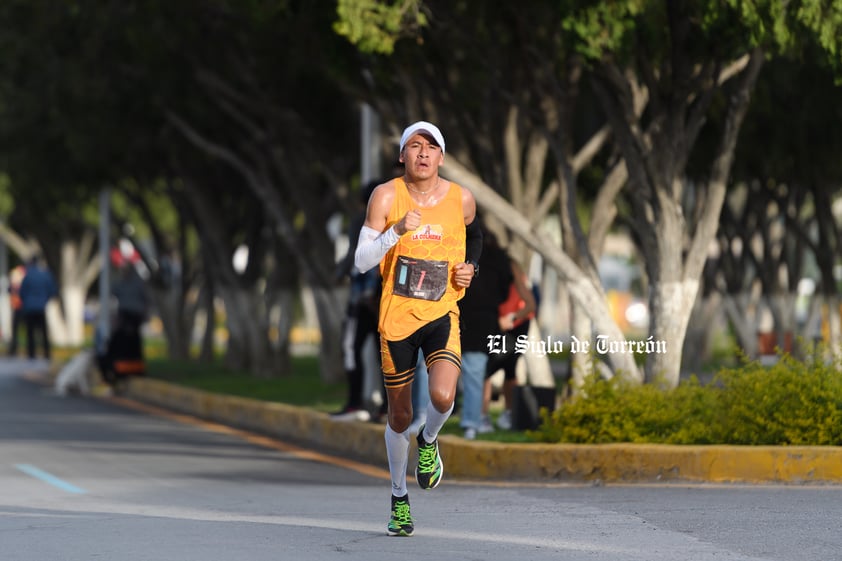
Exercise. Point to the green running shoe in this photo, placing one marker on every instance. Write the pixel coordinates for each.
(430, 468)
(400, 521)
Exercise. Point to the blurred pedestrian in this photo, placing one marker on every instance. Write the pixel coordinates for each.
(360, 323)
(515, 313)
(132, 309)
(37, 288)
(479, 315)
(122, 353)
(15, 279)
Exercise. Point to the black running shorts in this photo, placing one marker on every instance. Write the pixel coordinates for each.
(439, 340)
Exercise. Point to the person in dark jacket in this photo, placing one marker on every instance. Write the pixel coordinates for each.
(479, 321)
(36, 290)
(132, 308)
(132, 302)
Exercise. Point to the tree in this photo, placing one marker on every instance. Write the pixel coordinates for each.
(789, 158)
(287, 145)
(142, 89)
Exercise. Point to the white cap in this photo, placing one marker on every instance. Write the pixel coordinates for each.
(422, 127)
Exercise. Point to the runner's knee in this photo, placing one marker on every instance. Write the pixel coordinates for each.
(400, 418)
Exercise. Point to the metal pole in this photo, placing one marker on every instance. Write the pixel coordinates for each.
(370, 169)
(104, 319)
(370, 160)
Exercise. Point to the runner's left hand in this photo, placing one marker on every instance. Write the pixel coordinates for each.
(463, 274)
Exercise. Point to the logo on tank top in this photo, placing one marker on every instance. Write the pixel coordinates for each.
(429, 232)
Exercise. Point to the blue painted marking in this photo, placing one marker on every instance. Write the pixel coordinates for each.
(49, 478)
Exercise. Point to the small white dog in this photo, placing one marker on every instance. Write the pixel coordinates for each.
(75, 374)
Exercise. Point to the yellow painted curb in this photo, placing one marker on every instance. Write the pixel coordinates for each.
(362, 441)
(609, 463)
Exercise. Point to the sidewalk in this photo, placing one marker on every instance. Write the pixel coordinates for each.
(478, 460)
(33, 369)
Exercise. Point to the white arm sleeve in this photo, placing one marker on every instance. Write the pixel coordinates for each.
(372, 247)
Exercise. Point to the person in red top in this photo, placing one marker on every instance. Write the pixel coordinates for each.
(15, 279)
(514, 317)
(421, 230)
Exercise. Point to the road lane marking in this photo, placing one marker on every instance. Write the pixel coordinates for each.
(46, 477)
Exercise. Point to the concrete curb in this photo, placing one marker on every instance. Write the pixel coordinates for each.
(574, 463)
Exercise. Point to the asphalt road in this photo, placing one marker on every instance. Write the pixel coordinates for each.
(88, 479)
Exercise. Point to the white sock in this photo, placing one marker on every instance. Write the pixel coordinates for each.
(397, 449)
(435, 421)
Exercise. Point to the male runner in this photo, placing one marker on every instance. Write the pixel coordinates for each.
(420, 229)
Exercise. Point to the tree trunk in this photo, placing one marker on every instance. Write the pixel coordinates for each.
(834, 324)
(782, 305)
(330, 314)
(282, 351)
(675, 244)
(581, 363)
(73, 303)
(176, 328)
(248, 347)
(585, 290)
(207, 300)
(742, 312)
(670, 305)
(79, 266)
(705, 320)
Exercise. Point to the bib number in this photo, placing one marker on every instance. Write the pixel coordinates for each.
(420, 278)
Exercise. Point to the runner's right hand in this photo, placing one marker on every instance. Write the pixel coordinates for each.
(410, 222)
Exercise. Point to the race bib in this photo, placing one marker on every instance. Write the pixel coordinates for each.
(420, 278)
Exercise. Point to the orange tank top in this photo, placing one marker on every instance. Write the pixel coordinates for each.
(406, 304)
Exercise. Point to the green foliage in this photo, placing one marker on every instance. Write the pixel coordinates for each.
(619, 28)
(7, 201)
(602, 26)
(616, 411)
(790, 403)
(160, 205)
(824, 17)
(374, 26)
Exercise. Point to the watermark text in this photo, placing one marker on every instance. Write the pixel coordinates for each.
(602, 344)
